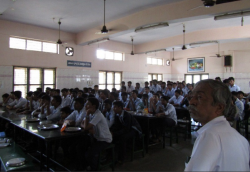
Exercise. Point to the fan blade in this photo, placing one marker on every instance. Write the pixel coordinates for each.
(196, 8)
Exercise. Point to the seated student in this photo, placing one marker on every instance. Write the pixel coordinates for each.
(138, 88)
(76, 117)
(72, 101)
(65, 99)
(52, 112)
(185, 101)
(124, 128)
(125, 99)
(147, 91)
(240, 96)
(170, 91)
(86, 90)
(47, 91)
(65, 112)
(79, 93)
(135, 103)
(37, 111)
(19, 102)
(114, 96)
(175, 86)
(160, 94)
(145, 100)
(164, 89)
(114, 90)
(108, 112)
(97, 125)
(103, 95)
(28, 97)
(33, 103)
(176, 99)
(130, 88)
(123, 90)
(168, 111)
(7, 99)
(154, 104)
(56, 92)
(239, 104)
(143, 89)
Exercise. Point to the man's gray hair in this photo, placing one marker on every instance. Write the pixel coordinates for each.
(220, 93)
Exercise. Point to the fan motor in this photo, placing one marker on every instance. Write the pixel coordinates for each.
(208, 3)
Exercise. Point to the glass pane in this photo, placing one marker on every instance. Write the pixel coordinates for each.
(109, 87)
(102, 78)
(197, 78)
(35, 76)
(149, 60)
(154, 61)
(109, 55)
(204, 77)
(149, 77)
(102, 87)
(34, 87)
(159, 77)
(18, 43)
(51, 86)
(34, 45)
(118, 78)
(155, 76)
(100, 54)
(49, 47)
(118, 87)
(110, 78)
(22, 88)
(49, 76)
(118, 56)
(189, 79)
(159, 61)
(20, 75)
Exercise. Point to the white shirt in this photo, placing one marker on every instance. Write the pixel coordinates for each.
(176, 100)
(234, 88)
(130, 89)
(77, 116)
(139, 90)
(19, 103)
(55, 113)
(219, 147)
(240, 105)
(169, 111)
(35, 104)
(110, 117)
(155, 88)
(66, 101)
(101, 128)
(170, 93)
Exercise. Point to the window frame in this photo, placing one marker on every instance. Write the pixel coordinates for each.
(157, 76)
(156, 61)
(123, 55)
(42, 85)
(106, 78)
(193, 76)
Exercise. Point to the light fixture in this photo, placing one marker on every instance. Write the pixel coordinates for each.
(232, 15)
(154, 51)
(98, 41)
(151, 26)
(202, 43)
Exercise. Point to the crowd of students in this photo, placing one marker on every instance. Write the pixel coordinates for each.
(105, 115)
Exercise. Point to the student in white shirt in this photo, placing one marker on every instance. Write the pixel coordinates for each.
(154, 104)
(232, 86)
(33, 103)
(135, 103)
(170, 91)
(175, 86)
(19, 101)
(65, 99)
(108, 112)
(145, 101)
(240, 96)
(218, 147)
(123, 90)
(73, 98)
(155, 87)
(147, 91)
(114, 96)
(164, 89)
(130, 88)
(103, 95)
(6, 100)
(122, 85)
(176, 99)
(96, 124)
(143, 89)
(125, 99)
(138, 88)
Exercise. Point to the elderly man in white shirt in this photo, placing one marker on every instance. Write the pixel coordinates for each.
(218, 147)
(155, 87)
(19, 101)
(232, 86)
(176, 99)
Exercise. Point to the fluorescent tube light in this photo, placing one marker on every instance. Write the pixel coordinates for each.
(98, 41)
(151, 26)
(232, 15)
(202, 43)
(155, 51)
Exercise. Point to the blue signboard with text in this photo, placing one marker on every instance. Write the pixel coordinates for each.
(78, 63)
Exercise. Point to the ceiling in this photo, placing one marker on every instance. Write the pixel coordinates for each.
(81, 15)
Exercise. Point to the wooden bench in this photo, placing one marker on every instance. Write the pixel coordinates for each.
(14, 151)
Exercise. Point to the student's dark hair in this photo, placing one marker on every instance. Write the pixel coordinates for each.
(94, 101)
(41, 95)
(145, 96)
(66, 110)
(225, 81)
(48, 88)
(46, 97)
(169, 84)
(18, 94)
(113, 89)
(124, 88)
(91, 95)
(234, 93)
(174, 83)
(165, 98)
(129, 82)
(115, 94)
(80, 100)
(135, 91)
(58, 99)
(64, 90)
(178, 91)
(147, 87)
(159, 92)
(231, 78)
(152, 92)
(39, 89)
(80, 91)
(218, 78)
(85, 96)
(155, 94)
(105, 92)
(123, 82)
(85, 89)
(96, 86)
(58, 91)
(118, 104)
(12, 92)
(5, 95)
(108, 101)
(76, 88)
(137, 83)
(73, 91)
(240, 92)
(124, 94)
(36, 93)
(146, 82)
(29, 94)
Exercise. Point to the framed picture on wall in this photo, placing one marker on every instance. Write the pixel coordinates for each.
(196, 64)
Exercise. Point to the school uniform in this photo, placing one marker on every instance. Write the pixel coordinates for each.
(65, 101)
(77, 116)
(20, 103)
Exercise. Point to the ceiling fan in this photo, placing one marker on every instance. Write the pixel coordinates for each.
(173, 59)
(104, 28)
(132, 52)
(218, 55)
(184, 46)
(211, 3)
(59, 40)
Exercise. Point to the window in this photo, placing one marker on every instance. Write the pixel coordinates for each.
(28, 79)
(158, 77)
(154, 61)
(109, 80)
(33, 45)
(194, 78)
(109, 55)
